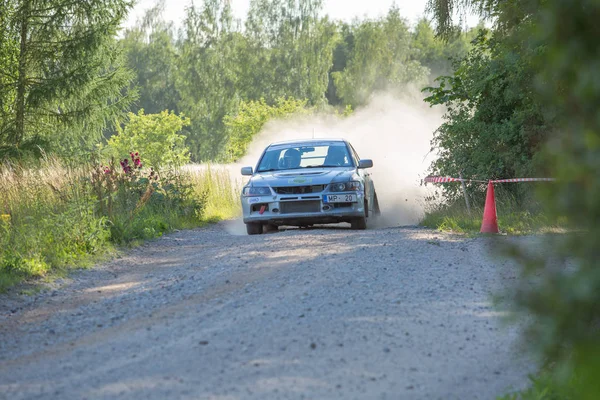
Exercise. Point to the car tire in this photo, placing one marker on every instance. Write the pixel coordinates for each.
(359, 223)
(270, 228)
(376, 209)
(254, 228)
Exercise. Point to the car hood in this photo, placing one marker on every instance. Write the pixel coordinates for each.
(312, 176)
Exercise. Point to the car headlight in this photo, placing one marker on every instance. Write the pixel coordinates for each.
(345, 186)
(256, 191)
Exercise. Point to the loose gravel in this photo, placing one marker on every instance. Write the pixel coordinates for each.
(396, 313)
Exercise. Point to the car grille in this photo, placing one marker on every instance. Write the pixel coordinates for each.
(299, 189)
(290, 207)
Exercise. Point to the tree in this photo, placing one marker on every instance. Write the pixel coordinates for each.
(151, 54)
(252, 116)
(444, 12)
(437, 54)
(64, 69)
(380, 59)
(208, 74)
(494, 125)
(291, 49)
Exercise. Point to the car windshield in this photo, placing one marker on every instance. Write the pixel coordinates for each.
(282, 157)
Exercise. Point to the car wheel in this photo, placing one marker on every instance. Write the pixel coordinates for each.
(254, 228)
(359, 223)
(270, 228)
(376, 209)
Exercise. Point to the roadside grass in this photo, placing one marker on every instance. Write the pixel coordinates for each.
(55, 217)
(544, 387)
(514, 218)
(215, 185)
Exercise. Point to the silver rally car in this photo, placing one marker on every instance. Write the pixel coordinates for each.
(308, 182)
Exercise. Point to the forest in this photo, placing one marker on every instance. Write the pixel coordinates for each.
(71, 74)
(99, 105)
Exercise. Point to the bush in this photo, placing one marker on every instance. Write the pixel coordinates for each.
(250, 119)
(143, 203)
(48, 221)
(494, 125)
(155, 136)
(54, 217)
(560, 290)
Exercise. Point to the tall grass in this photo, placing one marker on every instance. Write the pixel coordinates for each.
(54, 217)
(524, 215)
(48, 221)
(214, 183)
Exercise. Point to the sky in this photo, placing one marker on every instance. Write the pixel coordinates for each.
(337, 9)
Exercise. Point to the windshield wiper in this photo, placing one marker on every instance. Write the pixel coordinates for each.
(268, 170)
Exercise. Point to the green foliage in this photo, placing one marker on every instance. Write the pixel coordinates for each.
(63, 75)
(207, 75)
(63, 88)
(380, 59)
(151, 53)
(142, 204)
(214, 185)
(49, 222)
(565, 301)
(437, 54)
(445, 11)
(54, 217)
(515, 216)
(494, 125)
(252, 116)
(285, 48)
(543, 387)
(548, 48)
(290, 46)
(155, 136)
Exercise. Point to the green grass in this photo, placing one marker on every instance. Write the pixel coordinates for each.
(513, 219)
(215, 185)
(545, 386)
(55, 217)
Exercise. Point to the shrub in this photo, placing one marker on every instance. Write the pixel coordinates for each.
(54, 217)
(143, 203)
(155, 136)
(252, 116)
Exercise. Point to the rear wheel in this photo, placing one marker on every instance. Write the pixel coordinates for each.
(254, 228)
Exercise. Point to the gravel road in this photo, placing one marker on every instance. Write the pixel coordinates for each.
(396, 313)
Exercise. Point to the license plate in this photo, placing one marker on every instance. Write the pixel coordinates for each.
(339, 198)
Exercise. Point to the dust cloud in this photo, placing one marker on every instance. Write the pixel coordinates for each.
(395, 132)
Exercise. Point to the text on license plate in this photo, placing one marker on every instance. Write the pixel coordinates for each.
(339, 198)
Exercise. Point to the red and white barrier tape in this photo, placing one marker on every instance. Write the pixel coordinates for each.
(443, 179)
(524, 180)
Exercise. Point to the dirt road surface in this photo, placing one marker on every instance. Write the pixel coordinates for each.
(396, 313)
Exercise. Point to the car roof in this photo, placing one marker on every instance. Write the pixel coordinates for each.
(307, 141)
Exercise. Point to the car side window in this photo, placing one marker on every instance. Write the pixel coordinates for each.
(354, 154)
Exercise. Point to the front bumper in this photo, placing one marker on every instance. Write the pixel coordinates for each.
(279, 209)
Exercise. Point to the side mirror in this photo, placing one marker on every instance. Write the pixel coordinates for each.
(365, 164)
(247, 171)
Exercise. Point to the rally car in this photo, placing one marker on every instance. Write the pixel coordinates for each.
(307, 182)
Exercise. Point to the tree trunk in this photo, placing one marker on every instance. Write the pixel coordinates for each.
(22, 76)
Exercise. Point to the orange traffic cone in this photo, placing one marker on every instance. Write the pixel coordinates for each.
(490, 220)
